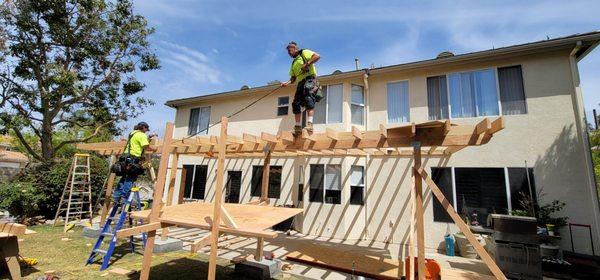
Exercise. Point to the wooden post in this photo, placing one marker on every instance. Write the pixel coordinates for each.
(107, 194)
(485, 257)
(214, 245)
(182, 186)
(411, 235)
(418, 188)
(264, 194)
(260, 242)
(174, 159)
(159, 187)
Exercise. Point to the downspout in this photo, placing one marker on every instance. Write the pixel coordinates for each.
(582, 132)
(367, 157)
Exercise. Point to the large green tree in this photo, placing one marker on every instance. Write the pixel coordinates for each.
(70, 64)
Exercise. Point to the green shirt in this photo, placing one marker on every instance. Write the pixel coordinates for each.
(296, 68)
(137, 143)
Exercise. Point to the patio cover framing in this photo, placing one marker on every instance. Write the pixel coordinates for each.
(430, 139)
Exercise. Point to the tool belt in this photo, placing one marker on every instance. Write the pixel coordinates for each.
(311, 84)
(128, 165)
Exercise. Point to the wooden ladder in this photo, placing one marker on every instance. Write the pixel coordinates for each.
(76, 198)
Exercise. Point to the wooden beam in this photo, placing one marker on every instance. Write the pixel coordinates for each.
(287, 136)
(108, 192)
(182, 186)
(214, 246)
(483, 126)
(251, 138)
(446, 127)
(234, 231)
(357, 133)
(331, 134)
(138, 229)
(173, 176)
(235, 140)
(13, 228)
(202, 242)
(418, 188)
(382, 130)
(268, 137)
(227, 219)
(159, 187)
(464, 228)
(497, 125)
(266, 171)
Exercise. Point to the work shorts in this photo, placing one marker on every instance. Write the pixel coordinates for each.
(303, 98)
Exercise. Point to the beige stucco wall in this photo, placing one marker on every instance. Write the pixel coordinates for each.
(546, 137)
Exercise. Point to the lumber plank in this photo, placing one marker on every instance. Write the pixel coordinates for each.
(483, 126)
(173, 176)
(202, 242)
(383, 131)
(268, 137)
(227, 219)
(266, 171)
(357, 133)
(212, 264)
(138, 229)
(287, 136)
(331, 133)
(159, 187)
(13, 228)
(251, 138)
(234, 231)
(487, 259)
(497, 125)
(446, 127)
(108, 192)
(418, 188)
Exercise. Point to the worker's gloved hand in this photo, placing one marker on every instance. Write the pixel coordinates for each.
(284, 84)
(305, 67)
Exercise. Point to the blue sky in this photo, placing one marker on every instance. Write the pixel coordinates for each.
(213, 46)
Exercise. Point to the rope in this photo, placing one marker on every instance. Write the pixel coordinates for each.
(235, 113)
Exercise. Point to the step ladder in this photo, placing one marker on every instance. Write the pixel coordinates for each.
(111, 227)
(76, 198)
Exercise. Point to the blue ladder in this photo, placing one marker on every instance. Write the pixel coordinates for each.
(109, 231)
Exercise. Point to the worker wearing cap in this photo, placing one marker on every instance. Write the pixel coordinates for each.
(304, 71)
(137, 144)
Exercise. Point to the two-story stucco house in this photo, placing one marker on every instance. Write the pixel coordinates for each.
(543, 150)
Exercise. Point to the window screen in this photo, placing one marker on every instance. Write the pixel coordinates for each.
(522, 188)
(333, 184)
(357, 185)
(437, 97)
(274, 181)
(357, 106)
(443, 179)
(512, 94)
(317, 176)
(398, 102)
(473, 94)
(480, 191)
(199, 120)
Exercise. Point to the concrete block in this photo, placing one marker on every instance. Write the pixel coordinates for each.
(265, 269)
(92, 232)
(169, 245)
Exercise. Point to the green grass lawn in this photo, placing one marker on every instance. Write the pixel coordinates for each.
(68, 259)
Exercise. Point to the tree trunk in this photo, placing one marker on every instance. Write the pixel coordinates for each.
(46, 142)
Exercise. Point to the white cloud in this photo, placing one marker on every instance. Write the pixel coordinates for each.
(193, 63)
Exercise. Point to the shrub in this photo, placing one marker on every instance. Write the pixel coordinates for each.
(43, 184)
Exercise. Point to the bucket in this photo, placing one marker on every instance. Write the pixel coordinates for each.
(432, 268)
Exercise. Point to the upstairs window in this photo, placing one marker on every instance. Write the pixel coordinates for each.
(437, 97)
(473, 94)
(329, 109)
(357, 105)
(199, 120)
(283, 105)
(512, 94)
(398, 107)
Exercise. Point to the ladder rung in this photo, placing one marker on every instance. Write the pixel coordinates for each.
(100, 251)
(108, 234)
(79, 192)
(80, 173)
(80, 182)
(80, 165)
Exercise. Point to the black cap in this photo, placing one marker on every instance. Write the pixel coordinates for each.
(143, 124)
(291, 43)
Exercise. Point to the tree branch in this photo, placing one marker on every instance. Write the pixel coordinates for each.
(85, 139)
(26, 145)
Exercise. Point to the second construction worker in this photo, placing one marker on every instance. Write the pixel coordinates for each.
(303, 71)
(130, 160)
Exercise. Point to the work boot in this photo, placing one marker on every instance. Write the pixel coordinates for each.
(297, 130)
(309, 127)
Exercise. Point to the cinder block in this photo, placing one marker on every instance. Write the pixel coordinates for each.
(169, 245)
(265, 269)
(92, 232)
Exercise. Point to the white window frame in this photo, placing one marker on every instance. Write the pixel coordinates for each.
(362, 167)
(495, 68)
(281, 106)
(387, 117)
(363, 105)
(327, 104)
(198, 132)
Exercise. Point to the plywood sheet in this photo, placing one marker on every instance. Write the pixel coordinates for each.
(248, 217)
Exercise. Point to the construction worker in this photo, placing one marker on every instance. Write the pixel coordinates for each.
(304, 71)
(137, 143)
